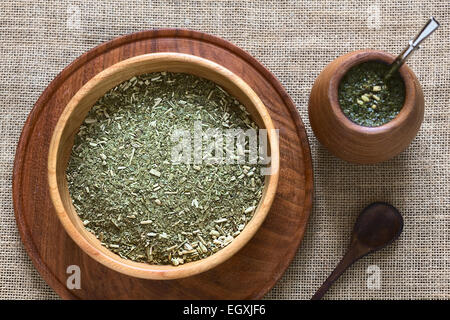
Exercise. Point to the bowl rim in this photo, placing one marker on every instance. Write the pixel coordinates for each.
(144, 270)
(355, 58)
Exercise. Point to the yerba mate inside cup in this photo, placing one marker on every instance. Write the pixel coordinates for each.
(352, 142)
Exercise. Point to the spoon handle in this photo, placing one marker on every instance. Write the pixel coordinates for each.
(353, 254)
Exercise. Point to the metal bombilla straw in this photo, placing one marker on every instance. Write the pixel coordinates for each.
(428, 29)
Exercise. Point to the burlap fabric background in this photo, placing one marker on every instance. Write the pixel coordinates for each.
(295, 40)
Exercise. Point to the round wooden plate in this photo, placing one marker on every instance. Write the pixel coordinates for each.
(252, 272)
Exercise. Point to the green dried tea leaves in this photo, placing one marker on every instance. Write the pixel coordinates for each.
(366, 98)
(134, 198)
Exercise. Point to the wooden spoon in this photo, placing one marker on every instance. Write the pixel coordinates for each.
(377, 226)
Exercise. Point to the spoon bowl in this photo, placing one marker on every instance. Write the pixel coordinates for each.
(377, 226)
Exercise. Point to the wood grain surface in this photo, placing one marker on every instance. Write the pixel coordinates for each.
(249, 274)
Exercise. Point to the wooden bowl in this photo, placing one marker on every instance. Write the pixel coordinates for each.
(75, 113)
(350, 141)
